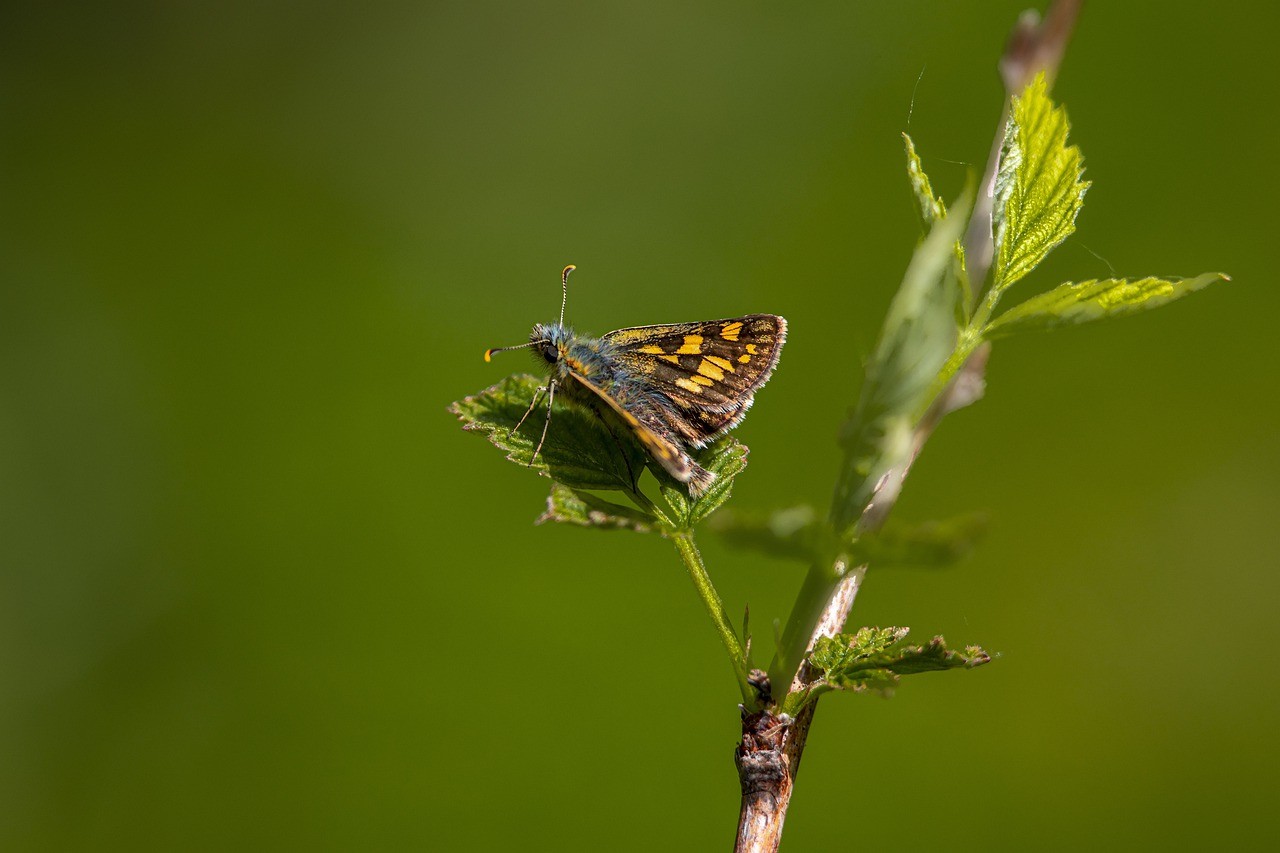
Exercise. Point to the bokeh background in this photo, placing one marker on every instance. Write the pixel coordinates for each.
(257, 590)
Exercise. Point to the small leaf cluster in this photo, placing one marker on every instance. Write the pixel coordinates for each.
(1039, 192)
(940, 319)
(930, 357)
(874, 659)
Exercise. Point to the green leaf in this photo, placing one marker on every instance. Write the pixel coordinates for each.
(932, 209)
(926, 545)
(918, 335)
(1038, 189)
(931, 206)
(835, 654)
(792, 533)
(1069, 304)
(873, 659)
(587, 510)
(582, 455)
(726, 457)
(579, 451)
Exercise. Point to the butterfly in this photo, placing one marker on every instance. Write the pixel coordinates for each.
(674, 387)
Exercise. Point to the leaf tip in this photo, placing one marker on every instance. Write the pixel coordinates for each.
(976, 656)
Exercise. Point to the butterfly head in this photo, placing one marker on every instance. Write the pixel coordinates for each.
(548, 341)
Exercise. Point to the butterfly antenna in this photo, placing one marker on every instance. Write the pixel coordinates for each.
(564, 299)
(488, 354)
(564, 288)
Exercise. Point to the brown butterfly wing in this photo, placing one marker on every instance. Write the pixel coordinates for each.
(649, 427)
(710, 371)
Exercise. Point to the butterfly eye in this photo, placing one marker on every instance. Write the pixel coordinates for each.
(550, 353)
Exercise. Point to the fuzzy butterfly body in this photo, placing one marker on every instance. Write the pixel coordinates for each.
(673, 387)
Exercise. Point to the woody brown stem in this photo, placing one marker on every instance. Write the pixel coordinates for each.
(768, 758)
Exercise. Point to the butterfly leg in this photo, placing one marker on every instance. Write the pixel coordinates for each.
(537, 395)
(551, 396)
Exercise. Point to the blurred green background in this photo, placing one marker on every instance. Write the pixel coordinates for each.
(257, 590)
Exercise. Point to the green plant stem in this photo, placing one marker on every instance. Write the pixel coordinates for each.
(826, 572)
(964, 348)
(990, 300)
(969, 340)
(641, 500)
(715, 608)
(811, 601)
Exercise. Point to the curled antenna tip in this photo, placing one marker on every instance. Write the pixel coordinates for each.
(488, 354)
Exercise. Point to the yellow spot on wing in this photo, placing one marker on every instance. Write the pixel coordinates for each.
(751, 348)
(709, 370)
(674, 359)
(701, 380)
(743, 359)
(652, 349)
(730, 331)
(692, 345)
(689, 385)
(722, 363)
